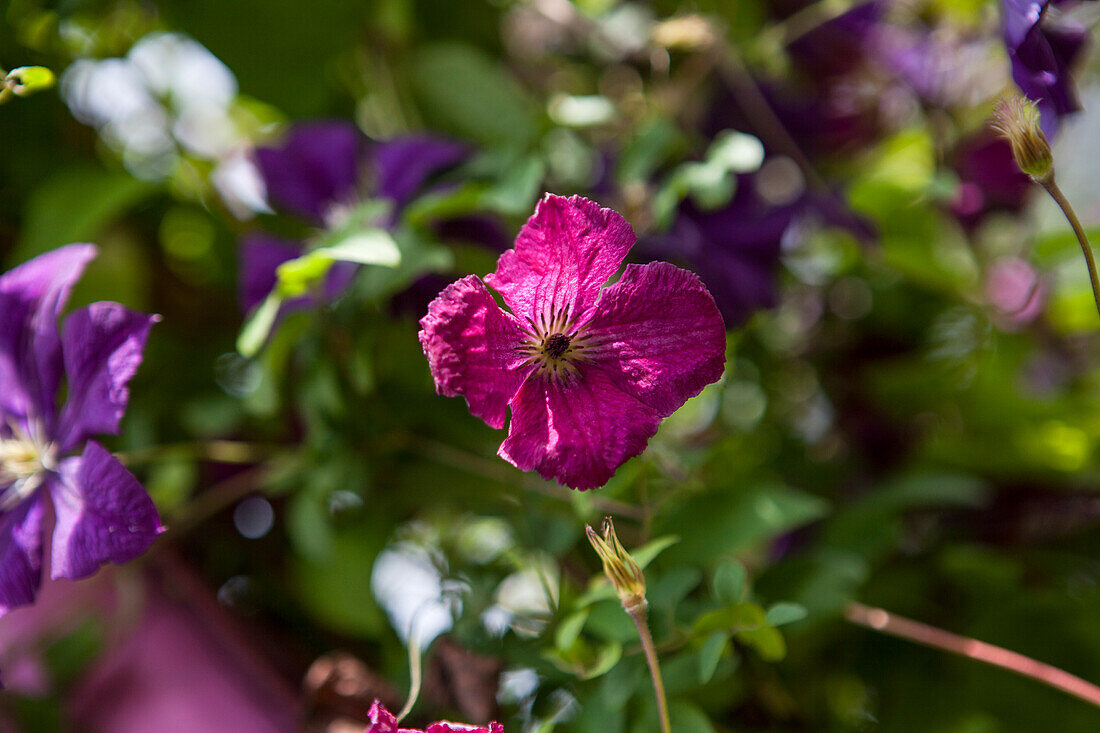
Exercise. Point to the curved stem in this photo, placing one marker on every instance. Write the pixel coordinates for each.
(1086, 250)
(889, 623)
(414, 673)
(639, 616)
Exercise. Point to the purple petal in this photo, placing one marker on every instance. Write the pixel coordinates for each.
(260, 257)
(662, 338)
(471, 348)
(563, 255)
(32, 297)
(577, 432)
(103, 514)
(102, 345)
(20, 554)
(1042, 55)
(403, 166)
(316, 166)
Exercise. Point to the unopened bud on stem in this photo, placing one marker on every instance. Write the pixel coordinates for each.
(619, 567)
(1017, 120)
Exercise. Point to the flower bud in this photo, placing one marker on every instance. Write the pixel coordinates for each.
(1017, 120)
(619, 567)
(29, 79)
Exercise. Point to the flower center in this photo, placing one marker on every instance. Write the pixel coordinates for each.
(555, 345)
(23, 461)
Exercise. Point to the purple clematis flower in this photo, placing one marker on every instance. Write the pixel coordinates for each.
(587, 373)
(736, 249)
(382, 721)
(102, 514)
(1042, 55)
(319, 173)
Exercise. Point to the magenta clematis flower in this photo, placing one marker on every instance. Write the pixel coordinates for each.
(587, 374)
(101, 512)
(382, 721)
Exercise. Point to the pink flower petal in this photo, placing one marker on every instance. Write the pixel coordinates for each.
(471, 348)
(660, 335)
(563, 255)
(578, 431)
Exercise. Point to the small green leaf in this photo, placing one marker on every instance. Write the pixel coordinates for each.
(645, 554)
(517, 189)
(734, 618)
(785, 613)
(730, 579)
(711, 654)
(259, 325)
(608, 656)
(569, 629)
(766, 640)
(296, 277)
(368, 247)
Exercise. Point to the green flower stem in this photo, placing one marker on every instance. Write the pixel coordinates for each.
(638, 613)
(889, 623)
(1086, 249)
(415, 673)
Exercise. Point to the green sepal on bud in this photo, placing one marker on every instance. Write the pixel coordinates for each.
(1017, 120)
(27, 80)
(620, 568)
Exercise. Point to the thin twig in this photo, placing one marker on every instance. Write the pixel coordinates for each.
(216, 451)
(759, 112)
(890, 623)
(216, 498)
(1082, 239)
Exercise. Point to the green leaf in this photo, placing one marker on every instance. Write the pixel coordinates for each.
(728, 522)
(466, 91)
(710, 654)
(309, 525)
(730, 578)
(367, 247)
(336, 591)
(516, 191)
(570, 629)
(733, 618)
(648, 151)
(259, 325)
(607, 657)
(766, 640)
(648, 552)
(785, 613)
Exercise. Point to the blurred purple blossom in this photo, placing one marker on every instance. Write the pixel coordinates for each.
(101, 512)
(320, 172)
(1043, 54)
(588, 372)
(736, 249)
(989, 180)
